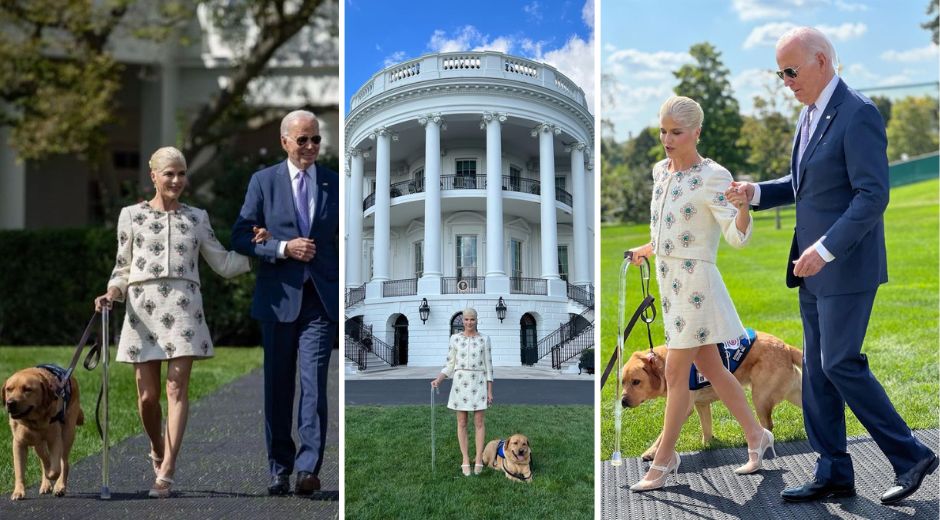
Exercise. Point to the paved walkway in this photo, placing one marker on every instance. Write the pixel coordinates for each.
(499, 373)
(222, 472)
(505, 391)
(708, 489)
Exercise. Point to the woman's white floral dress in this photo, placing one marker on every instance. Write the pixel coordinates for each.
(157, 271)
(688, 216)
(470, 364)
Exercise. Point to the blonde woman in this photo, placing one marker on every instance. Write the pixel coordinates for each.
(470, 363)
(688, 215)
(156, 275)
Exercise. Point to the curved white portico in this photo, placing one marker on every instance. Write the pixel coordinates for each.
(470, 180)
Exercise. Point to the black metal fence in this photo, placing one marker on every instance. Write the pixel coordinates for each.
(355, 295)
(406, 287)
(568, 340)
(463, 285)
(583, 294)
(520, 285)
(468, 182)
(573, 347)
(356, 352)
(370, 343)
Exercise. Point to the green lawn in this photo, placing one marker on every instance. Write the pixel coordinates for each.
(227, 365)
(388, 464)
(902, 338)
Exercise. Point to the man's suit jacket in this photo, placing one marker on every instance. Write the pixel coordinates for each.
(269, 203)
(841, 191)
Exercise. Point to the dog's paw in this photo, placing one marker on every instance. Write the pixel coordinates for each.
(649, 454)
(59, 491)
(45, 488)
(18, 493)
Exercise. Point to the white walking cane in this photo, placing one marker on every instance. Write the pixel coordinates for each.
(434, 390)
(105, 315)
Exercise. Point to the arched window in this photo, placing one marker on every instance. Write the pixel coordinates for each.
(456, 323)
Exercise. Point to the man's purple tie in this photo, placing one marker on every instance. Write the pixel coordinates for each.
(804, 134)
(302, 203)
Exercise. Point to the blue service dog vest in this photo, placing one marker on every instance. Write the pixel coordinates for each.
(59, 373)
(499, 448)
(732, 354)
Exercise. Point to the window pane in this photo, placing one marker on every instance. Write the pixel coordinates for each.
(563, 262)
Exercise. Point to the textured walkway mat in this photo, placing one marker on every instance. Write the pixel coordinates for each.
(708, 488)
(222, 470)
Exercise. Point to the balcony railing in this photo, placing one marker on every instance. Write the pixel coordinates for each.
(519, 285)
(407, 287)
(568, 340)
(583, 294)
(358, 333)
(463, 285)
(355, 295)
(468, 182)
(483, 65)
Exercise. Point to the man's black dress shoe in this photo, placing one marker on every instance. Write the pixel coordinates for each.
(817, 490)
(279, 486)
(306, 483)
(906, 484)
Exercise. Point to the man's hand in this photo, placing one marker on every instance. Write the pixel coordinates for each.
(740, 193)
(302, 249)
(809, 263)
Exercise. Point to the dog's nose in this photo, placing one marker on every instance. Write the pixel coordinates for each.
(625, 402)
(11, 404)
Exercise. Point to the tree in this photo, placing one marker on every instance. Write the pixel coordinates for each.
(59, 78)
(706, 81)
(913, 128)
(933, 25)
(884, 106)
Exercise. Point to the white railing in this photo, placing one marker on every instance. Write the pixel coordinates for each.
(483, 65)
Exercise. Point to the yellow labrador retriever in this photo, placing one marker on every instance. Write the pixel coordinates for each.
(31, 400)
(513, 457)
(772, 368)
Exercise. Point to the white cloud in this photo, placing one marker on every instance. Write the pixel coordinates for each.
(767, 35)
(929, 52)
(587, 14)
(858, 73)
(850, 7)
(464, 39)
(395, 57)
(846, 31)
(748, 10)
(576, 60)
(758, 9)
(641, 65)
(534, 10)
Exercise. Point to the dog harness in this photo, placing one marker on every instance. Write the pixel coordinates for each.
(64, 391)
(502, 454)
(499, 448)
(732, 354)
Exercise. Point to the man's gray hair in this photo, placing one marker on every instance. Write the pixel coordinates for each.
(813, 41)
(293, 116)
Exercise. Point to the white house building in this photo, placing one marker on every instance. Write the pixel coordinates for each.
(469, 184)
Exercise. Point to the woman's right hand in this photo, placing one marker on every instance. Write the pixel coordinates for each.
(104, 301)
(436, 382)
(639, 253)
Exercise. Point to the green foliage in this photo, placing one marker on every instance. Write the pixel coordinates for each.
(767, 137)
(394, 442)
(626, 175)
(913, 127)
(706, 81)
(54, 276)
(884, 106)
(933, 24)
(901, 343)
(227, 365)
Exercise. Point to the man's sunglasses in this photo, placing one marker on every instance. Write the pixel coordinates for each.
(304, 139)
(790, 72)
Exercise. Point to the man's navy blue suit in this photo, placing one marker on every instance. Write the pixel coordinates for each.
(297, 304)
(841, 192)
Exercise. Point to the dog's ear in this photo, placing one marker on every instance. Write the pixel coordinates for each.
(49, 388)
(652, 368)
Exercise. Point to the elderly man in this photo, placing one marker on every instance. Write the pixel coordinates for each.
(839, 182)
(296, 296)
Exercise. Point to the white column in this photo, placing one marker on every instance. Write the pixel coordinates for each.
(354, 219)
(548, 223)
(431, 278)
(579, 216)
(496, 279)
(383, 171)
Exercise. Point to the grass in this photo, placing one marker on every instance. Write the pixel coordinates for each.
(388, 464)
(901, 343)
(208, 375)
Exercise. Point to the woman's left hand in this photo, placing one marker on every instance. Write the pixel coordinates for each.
(261, 234)
(489, 398)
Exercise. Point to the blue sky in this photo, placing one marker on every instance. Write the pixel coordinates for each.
(557, 32)
(879, 43)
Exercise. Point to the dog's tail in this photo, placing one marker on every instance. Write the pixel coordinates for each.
(796, 356)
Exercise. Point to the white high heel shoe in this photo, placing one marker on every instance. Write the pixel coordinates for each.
(657, 483)
(766, 443)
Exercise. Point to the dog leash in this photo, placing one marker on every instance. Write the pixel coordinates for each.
(91, 361)
(646, 312)
(518, 475)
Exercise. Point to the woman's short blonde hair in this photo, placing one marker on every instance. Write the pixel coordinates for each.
(685, 111)
(164, 157)
(470, 312)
